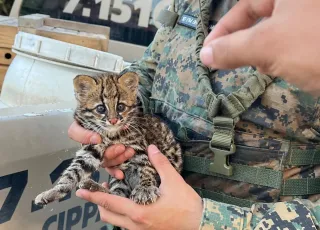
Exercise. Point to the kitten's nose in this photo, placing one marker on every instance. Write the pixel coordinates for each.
(113, 121)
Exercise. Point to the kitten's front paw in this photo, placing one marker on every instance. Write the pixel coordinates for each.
(92, 186)
(41, 199)
(145, 195)
(48, 197)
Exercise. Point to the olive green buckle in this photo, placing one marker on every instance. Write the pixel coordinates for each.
(221, 163)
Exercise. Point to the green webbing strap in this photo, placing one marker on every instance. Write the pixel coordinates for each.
(222, 145)
(213, 104)
(297, 187)
(237, 102)
(300, 187)
(223, 132)
(168, 18)
(300, 157)
(203, 71)
(249, 174)
(223, 198)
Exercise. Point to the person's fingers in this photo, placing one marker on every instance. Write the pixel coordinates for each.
(113, 152)
(105, 185)
(243, 15)
(115, 172)
(242, 48)
(113, 203)
(161, 164)
(114, 219)
(81, 135)
(126, 155)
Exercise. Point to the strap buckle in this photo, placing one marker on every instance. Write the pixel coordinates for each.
(221, 163)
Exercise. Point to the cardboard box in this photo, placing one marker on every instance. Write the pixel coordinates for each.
(87, 35)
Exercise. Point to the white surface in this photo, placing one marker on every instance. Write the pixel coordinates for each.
(129, 52)
(44, 69)
(15, 10)
(36, 110)
(34, 140)
(2, 105)
(32, 81)
(47, 48)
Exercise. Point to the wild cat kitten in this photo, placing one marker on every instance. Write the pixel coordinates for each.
(107, 105)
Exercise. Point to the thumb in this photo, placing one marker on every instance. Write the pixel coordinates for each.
(161, 163)
(249, 47)
(83, 136)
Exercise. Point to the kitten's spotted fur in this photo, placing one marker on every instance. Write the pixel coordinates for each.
(107, 105)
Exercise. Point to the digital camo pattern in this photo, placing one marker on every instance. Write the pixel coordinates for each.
(281, 215)
(283, 118)
(107, 104)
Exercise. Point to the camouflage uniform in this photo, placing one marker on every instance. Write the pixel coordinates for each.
(279, 123)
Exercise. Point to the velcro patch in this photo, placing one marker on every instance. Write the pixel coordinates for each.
(188, 21)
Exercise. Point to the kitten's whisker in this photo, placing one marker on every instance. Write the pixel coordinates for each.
(139, 126)
(130, 125)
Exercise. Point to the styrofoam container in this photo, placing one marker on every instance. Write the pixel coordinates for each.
(44, 69)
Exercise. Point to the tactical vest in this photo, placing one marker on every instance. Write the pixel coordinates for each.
(247, 137)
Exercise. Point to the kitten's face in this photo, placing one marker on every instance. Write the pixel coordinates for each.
(105, 102)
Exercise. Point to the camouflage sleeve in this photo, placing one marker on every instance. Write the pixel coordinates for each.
(297, 214)
(146, 66)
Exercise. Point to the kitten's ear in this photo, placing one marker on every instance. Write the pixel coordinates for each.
(129, 80)
(84, 83)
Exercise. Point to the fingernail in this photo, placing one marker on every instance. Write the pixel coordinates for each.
(79, 193)
(153, 150)
(119, 175)
(94, 139)
(206, 55)
(119, 149)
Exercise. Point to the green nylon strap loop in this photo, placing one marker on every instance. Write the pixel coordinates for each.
(168, 18)
(223, 198)
(223, 122)
(213, 104)
(299, 187)
(300, 157)
(249, 174)
(239, 101)
(223, 132)
(222, 138)
(232, 107)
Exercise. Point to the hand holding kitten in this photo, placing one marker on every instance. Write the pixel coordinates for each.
(179, 206)
(114, 155)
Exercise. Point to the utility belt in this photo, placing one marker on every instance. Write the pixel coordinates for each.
(259, 176)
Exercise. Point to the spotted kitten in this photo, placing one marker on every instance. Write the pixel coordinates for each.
(107, 104)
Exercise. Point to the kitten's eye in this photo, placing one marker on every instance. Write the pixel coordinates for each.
(101, 109)
(121, 107)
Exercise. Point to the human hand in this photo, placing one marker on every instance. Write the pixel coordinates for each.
(284, 44)
(178, 207)
(114, 155)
